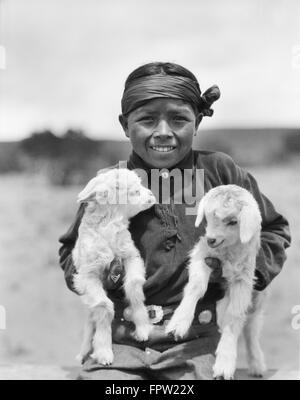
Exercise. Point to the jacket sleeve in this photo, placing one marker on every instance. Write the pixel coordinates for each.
(275, 234)
(68, 241)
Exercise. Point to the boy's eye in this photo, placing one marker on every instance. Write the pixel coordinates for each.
(231, 223)
(146, 119)
(179, 118)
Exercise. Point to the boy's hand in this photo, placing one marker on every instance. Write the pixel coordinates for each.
(114, 276)
(216, 275)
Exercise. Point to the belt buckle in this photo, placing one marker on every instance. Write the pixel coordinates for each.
(155, 313)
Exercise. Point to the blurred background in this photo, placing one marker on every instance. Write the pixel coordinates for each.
(63, 64)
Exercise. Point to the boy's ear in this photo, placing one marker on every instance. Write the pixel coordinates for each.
(198, 120)
(124, 123)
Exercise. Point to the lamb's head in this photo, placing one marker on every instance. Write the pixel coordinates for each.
(232, 216)
(120, 189)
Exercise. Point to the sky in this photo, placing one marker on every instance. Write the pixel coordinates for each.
(66, 61)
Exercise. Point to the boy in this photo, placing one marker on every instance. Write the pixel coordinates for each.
(162, 107)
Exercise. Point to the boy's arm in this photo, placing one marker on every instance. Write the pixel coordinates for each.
(68, 241)
(275, 235)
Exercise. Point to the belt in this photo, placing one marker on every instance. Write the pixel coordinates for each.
(204, 313)
(157, 314)
(204, 325)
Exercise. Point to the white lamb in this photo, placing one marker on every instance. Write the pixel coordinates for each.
(112, 197)
(233, 236)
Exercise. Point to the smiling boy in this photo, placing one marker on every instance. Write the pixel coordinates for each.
(150, 128)
(162, 107)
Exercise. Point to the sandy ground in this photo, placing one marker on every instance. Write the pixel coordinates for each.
(44, 319)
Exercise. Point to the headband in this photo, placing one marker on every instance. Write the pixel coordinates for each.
(152, 87)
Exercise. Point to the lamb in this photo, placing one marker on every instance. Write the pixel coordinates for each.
(233, 236)
(113, 197)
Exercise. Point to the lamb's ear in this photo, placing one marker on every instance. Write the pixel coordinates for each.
(89, 192)
(250, 221)
(200, 212)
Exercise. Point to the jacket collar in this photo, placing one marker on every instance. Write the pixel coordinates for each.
(187, 163)
(135, 162)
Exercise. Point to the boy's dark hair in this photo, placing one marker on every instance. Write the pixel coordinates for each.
(203, 102)
(162, 68)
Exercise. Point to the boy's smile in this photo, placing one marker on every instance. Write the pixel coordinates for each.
(161, 131)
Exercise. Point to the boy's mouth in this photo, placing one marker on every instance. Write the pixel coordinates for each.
(163, 149)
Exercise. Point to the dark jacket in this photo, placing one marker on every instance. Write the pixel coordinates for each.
(164, 235)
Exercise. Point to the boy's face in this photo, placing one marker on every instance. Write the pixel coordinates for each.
(161, 131)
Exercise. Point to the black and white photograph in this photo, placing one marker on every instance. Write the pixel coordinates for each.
(149, 192)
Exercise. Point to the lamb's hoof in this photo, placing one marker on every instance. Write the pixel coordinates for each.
(256, 375)
(175, 335)
(142, 333)
(222, 378)
(223, 374)
(103, 356)
(224, 366)
(81, 358)
(258, 370)
(178, 328)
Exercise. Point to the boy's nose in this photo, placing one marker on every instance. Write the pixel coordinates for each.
(162, 129)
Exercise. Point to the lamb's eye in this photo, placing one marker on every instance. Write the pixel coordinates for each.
(231, 223)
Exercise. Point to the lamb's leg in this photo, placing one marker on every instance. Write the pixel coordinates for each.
(238, 300)
(87, 342)
(252, 331)
(133, 286)
(101, 315)
(196, 287)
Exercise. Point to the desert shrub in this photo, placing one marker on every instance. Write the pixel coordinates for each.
(42, 144)
(292, 142)
(67, 172)
(10, 160)
(69, 159)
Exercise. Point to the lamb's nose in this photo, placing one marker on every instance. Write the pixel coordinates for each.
(211, 241)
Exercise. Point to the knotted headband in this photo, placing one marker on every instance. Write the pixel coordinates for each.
(152, 87)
